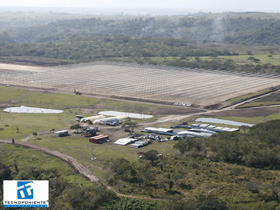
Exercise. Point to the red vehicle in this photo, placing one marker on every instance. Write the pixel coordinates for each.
(100, 139)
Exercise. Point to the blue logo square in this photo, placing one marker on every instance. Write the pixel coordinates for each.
(25, 189)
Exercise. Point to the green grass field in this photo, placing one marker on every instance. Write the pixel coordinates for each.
(27, 158)
(77, 147)
(69, 101)
(244, 59)
(82, 150)
(246, 96)
(29, 123)
(71, 104)
(9, 93)
(254, 120)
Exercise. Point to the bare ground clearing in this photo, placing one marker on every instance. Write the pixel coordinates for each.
(132, 82)
(247, 112)
(273, 97)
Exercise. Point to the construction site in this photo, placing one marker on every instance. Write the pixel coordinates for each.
(179, 86)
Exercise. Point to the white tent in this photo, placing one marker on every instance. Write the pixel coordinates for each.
(125, 141)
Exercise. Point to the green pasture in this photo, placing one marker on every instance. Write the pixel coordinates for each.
(83, 150)
(9, 93)
(244, 59)
(27, 158)
(66, 101)
(247, 96)
(21, 125)
(70, 101)
(253, 120)
(73, 145)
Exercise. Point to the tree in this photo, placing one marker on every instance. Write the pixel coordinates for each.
(35, 135)
(210, 203)
(254, 59)
(151, 155)
(122, 168)
(5, 173)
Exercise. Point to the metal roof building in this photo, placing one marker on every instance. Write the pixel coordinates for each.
(164, 131)
(125, 141)
(92, 118)
(214, 128)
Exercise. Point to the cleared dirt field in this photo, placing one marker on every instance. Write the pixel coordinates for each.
(189, 86)
(251, 112)
(272, 97)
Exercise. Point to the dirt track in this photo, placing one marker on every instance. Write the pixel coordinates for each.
(80, 168)
(70, 160)
(169, 118)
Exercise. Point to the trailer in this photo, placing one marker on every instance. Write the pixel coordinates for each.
(61, 133)
(100, 139)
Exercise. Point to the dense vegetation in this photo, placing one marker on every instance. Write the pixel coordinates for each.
(62, 193)
(154, 51)
(181, 41)
(67, 190)
(226, 169)
(220, 28)
(258, 147)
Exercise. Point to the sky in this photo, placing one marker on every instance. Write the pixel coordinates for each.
(203, 5)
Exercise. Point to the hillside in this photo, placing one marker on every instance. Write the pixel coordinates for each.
(237, 170)
(226, 41)
(218, 28)
(144, 50)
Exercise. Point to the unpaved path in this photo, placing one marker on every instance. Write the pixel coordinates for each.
(80, 168)
(169, 118)
(70, 160)
(247, 101)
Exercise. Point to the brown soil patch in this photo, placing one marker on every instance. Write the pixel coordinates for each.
(252, 112)
(273, 97)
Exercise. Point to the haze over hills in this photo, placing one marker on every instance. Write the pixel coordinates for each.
(107, 11)
(226, 27)
(175, 40)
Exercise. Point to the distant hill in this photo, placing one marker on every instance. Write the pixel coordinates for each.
(18, 19)
(261, 28)
(5, 37)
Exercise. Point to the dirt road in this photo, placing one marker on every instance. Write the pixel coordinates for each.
(70, 160)
(80, 168)
(169, 118)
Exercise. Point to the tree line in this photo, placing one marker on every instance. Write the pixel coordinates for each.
(142, 50)
(220, 28)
